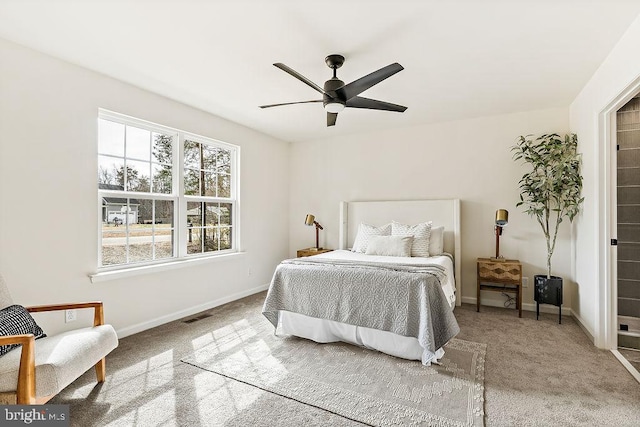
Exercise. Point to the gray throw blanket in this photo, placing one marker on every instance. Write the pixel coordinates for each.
(404, 299)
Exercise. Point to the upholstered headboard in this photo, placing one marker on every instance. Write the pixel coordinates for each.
(445, 212)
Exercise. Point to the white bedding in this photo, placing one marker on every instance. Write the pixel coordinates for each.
(323, 331)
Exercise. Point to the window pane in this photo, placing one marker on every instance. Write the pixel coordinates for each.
(140, 233)
(138, 143)
(191, 182)
(209, 184)
(138, 174)
(144, 209)
(225, 238)
(194, 242)
(191, 154)
(119, 211)
(114, 245)
(210, 238)
(163, 236)
(162, 233)
(161, 179)
(164, 214)
(108, 168)
(224, 159)
(226, 213)
(211, 214)
(140, 242)
(141, 251)
(110, 138)
(164, 249)
(194, 213)
(224, 185)
(224, 169)
(209, 157)
(162, 148)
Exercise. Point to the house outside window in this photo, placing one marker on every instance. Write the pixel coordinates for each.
(164, 194)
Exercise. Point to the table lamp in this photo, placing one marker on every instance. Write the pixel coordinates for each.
(502, 219)
(311, 220)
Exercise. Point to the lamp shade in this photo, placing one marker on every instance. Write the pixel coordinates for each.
(334, 107)
(309, 220)
(502, 217)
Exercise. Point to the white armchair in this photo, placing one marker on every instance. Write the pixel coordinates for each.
(41, 369)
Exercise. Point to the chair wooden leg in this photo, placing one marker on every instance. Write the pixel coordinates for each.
(101, 370)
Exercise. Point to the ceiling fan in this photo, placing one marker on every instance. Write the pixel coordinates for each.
(336, 95)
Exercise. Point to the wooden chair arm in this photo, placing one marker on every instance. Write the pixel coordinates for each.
(26, 389)
(98, 314)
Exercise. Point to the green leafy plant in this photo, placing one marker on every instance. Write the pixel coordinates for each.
(551, 190)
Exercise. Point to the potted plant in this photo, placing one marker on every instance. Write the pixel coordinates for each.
(550, 192)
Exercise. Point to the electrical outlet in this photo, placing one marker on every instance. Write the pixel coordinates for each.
(525, 282)
(249, 271)
(70, 316)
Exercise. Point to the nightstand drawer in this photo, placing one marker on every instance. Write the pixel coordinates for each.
(500, 270)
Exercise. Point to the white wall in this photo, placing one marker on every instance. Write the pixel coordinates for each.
(616, 74)
(48, 119)
(469, 159)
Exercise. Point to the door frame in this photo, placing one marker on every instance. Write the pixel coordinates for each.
(607, 336)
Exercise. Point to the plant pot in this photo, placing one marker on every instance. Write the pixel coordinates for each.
(548, 291)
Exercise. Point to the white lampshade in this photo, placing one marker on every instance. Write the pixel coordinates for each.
(334, 107)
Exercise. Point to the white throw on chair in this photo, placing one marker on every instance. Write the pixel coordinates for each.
(40, 369)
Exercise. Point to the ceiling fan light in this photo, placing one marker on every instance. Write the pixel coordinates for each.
(333, 107)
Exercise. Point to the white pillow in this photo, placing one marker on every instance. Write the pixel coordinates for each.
(365, 232)
(390, 245)
(420, 233)
(436, 241)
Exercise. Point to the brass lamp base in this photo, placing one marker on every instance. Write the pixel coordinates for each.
(315, 249)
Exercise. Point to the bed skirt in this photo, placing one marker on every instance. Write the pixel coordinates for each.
(325, 331)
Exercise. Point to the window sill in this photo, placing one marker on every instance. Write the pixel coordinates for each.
(105, 276)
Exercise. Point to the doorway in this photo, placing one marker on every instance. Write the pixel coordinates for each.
(628, 230)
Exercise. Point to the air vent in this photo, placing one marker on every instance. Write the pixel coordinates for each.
(195, 319)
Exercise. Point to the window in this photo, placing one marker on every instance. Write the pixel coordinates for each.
(164, 194)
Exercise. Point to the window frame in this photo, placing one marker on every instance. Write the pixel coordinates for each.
(177, 195)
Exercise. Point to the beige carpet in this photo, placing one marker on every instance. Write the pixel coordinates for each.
(354, 382)
(537, 373)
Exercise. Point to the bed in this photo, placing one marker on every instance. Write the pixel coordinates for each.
(402, 306)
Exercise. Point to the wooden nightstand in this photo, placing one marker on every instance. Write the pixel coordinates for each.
(311, 251)
(500, 275)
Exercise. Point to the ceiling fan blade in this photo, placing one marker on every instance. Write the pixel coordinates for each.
(299, 76)
(289, 103)
(331, 119)
(374, 104)
(356, 87)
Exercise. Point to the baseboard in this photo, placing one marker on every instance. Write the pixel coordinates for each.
(545, 308)
(143, 326)
(583, 326)
(633, 371)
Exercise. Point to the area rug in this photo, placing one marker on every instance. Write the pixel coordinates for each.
(356, 383)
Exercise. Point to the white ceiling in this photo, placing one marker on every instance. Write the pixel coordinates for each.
(462, 59)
